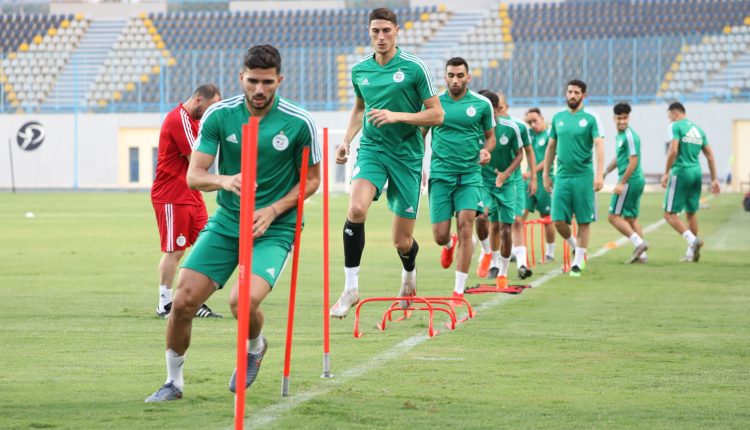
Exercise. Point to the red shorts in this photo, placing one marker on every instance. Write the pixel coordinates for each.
(179, 225)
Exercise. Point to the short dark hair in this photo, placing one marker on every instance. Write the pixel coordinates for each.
(382, 13)
(457, 61)
(494, 99)
(535, 110)
(578, 83)
(207, 91)
(622, 108)
(263, 57)
(677, 106)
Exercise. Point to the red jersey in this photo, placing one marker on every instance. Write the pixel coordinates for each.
(176, 140)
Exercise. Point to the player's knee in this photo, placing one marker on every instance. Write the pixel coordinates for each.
(185, 304)
(612, 218)
(357, 212)
(441, 237)
(561, 226)
(403, 244)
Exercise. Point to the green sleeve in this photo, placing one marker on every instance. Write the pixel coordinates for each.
(553, 130)
(675, 131)
(356, 88)
(488, 119)
(525, 137)
(208, 135)
(424, 82)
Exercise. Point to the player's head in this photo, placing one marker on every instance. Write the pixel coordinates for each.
(261, 75)
(383, 27)
(535, 120)
(492, 97)
(457, 76)
(575, 93)
(676, 111)
(203, 97)
(622, 115)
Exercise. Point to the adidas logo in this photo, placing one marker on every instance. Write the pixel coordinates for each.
(693, 136)
(232, 138)
(348, 232)
(410, 210)
(560, 124)
(480, 204)
(271, 272)
(365, 82)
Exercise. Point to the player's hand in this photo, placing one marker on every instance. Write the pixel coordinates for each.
(618, 188)
(263, 219)
(715, 187)
(233, 183)
(526, 175)
(501, 178)
(598, 183)
(484, 156)
(380, 117)
(532, 186)
(664, 180)
(342, 153)
(547, 183)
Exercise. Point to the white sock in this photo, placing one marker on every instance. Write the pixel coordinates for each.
(495, 259)
(504, 263)
(165, 296)
(460, 282)
(486, 246)
(551, 249)
(408, 276)
(637, 241)
(352, 278)
(174, 369)
(578, 258)
(450, 243)
(521, 256)
(255, 346)
(514, 250)
(571, 241)
(689, 251)
(643, 256)
(689, 236)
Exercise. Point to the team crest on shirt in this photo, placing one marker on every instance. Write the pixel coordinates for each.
(471, 111)
(398, 76)
(542, 142)
(280, 142)
(180, 241)
(582, 122)
(504, 140)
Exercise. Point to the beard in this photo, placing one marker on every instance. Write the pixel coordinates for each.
(457, 91)
(573, 104)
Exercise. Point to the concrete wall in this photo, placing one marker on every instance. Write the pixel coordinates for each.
(83, 150)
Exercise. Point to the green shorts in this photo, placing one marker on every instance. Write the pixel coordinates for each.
(539, 201)
(500, 202)
(521, 194)
(404, 179)
(574, 196)
(683, 191)
(216, 255)
(449, 196)
(628, 203)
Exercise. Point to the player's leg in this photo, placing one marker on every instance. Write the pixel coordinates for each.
(442, 208)
(562, 209)
(584, 210)
(503, 226)
(629, 212)
(679, 192)
(167, 270)
(467, 202)
(544, 206)
(483, 234)
(519, 238)
(174, 227)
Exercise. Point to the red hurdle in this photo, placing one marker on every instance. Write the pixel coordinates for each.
(430, 304)
(295, 269)
(528, 226)
(247, 214)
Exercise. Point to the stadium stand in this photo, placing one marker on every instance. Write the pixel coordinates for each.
(38, 46)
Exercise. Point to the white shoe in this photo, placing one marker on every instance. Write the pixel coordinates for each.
(408, 287)
(347, 299)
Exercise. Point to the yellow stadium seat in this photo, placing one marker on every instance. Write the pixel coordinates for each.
(668, 76)
(341, 66)
(505, 30)
(507, 22)
(160, 44)
(342, 92)
(477, 72)
(507, 55)
(503, 14)
(747, 20)
(165, 53)
(674, 67)
(424, 17)
(24, 47)
(117, 96)
(171, 62)
(156, 70)
(129, 87)
(142, 15)
(685, 48)
(343, 83)
(503, 6)
(65, 23)
(679, 58)
(152, 30)
(442, 8)
(79, 16)
(342, 75)
(52, 31)
(494, 64)
(144, 78)
(8, 88)
(408, 25)
(102, 103)
(360, 50)
(12, 56)
(38, 39)
(148, 23)
(507, 38)
(727, 29)
(12, 95)
(3, 79)
(341, 58)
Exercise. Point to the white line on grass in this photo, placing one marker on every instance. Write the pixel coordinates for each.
(270, 413)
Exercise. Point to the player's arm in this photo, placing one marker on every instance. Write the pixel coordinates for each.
(674, 145)
(531, 160)
(432, 115)
(711, 168)
(199, 178)
(485, 154)
(505, 174)
(599, 178)
(355, 124)
(612, 166)
(632, 164)
(549, 158)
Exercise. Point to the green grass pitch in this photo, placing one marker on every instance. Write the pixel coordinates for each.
(662, 345)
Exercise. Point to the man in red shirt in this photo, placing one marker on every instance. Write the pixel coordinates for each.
(180, 212)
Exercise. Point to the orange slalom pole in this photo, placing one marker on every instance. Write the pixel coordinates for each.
(247, 214)
(295, 267)
(326, 278)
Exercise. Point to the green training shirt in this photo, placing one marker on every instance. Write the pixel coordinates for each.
(456, 143)
(628, 144)
(575, 134)
(526, 141)
(691, 139)
(283, 132)
(401, 85)
(509, 141)
(539, 144)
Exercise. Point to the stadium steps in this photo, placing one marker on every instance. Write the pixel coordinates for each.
(79, 74)
(730, 77)
(444, 43)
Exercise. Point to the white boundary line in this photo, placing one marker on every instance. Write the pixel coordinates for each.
(270, 413)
